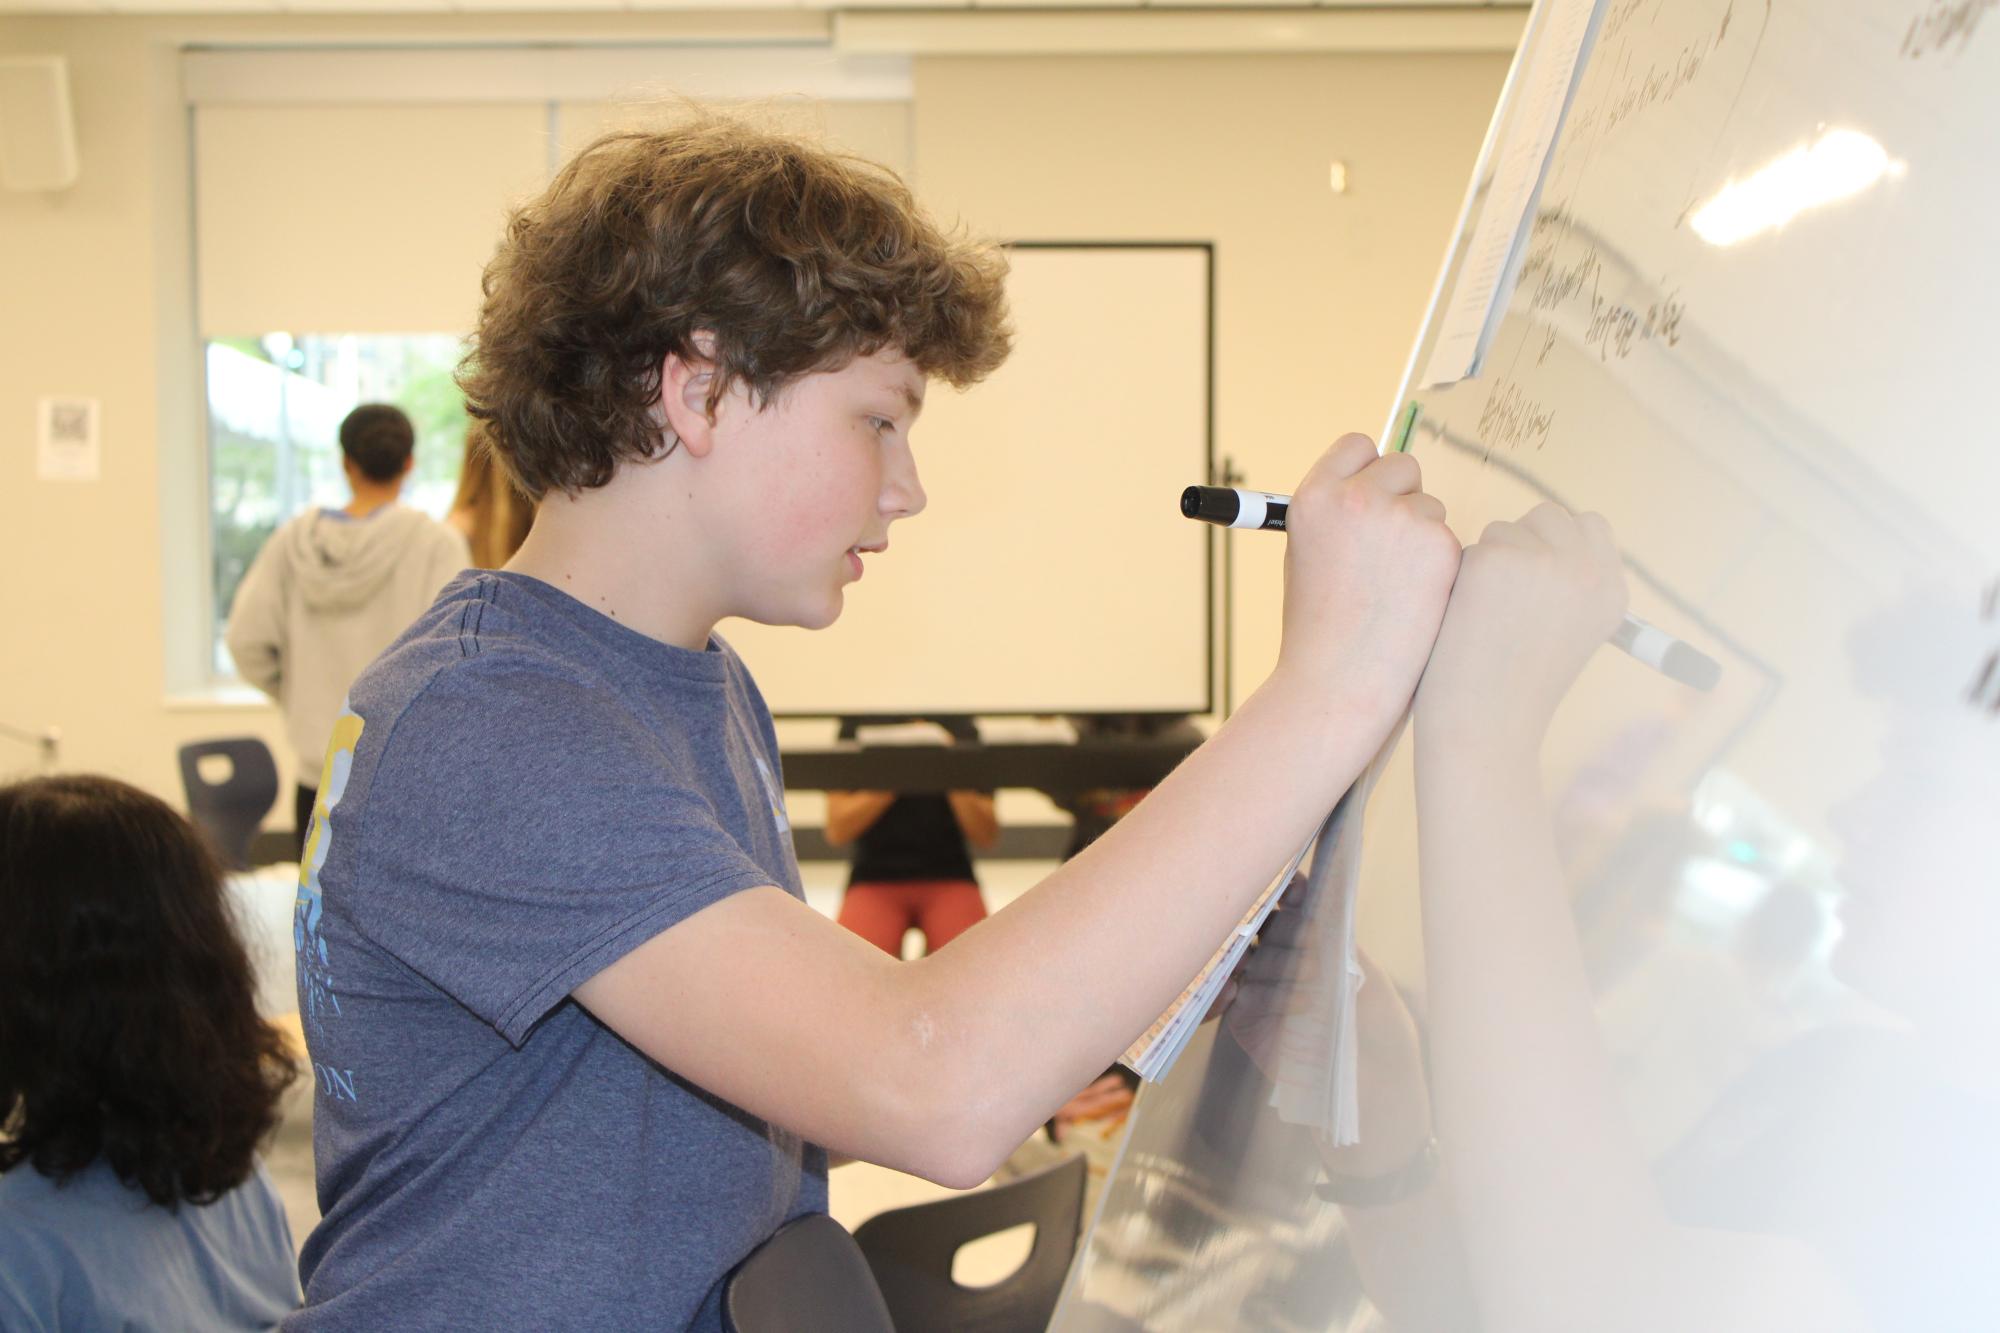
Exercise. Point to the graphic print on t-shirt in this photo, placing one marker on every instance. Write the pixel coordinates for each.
(772, 794)
(317, 997)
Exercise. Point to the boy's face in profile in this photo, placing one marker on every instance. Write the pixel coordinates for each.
(809, 483)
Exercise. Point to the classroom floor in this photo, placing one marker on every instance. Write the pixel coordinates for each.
(856, 1192)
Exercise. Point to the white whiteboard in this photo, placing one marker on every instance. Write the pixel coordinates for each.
(1051, 571)
(1786, 893)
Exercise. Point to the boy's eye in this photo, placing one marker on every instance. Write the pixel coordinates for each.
(881, 425)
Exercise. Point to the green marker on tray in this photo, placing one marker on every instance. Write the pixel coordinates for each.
(1400, 441)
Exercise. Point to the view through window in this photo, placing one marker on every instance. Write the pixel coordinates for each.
(275, 403)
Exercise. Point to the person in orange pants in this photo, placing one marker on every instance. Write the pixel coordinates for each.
(912, 862)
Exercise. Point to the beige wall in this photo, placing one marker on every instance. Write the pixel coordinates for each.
(95, 284)
(1320, 296)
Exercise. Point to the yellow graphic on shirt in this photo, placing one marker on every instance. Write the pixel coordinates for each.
(339, 754)
(317, 998)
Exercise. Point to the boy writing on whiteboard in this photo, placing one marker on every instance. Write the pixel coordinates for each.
(581, 1045)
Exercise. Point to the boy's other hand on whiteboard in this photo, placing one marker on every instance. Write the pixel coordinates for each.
(1534, 599)
(1368, 566)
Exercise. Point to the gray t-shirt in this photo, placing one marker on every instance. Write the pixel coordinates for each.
(521, 791)
(94, 1253)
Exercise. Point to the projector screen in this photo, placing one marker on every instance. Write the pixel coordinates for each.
(1051, 571)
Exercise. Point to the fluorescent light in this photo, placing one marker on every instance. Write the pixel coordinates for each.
(1837, 164)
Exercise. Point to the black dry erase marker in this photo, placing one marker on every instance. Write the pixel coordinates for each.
(1234, 507)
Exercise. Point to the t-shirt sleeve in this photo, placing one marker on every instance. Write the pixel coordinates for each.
(15, 1311)
(521, 832)
(31, 1280)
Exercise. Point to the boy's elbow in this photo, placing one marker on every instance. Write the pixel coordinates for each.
(948, 1130)
(963, 1175)
(955, 1155)
(973, 1150)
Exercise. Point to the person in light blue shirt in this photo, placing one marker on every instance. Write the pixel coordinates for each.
(136, 1078)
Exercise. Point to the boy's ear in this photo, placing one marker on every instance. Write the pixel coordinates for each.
(685, 383)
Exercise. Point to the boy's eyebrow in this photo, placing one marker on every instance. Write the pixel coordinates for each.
(914, 397)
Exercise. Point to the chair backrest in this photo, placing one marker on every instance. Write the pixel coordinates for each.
(231, 810)
(911, 1249)
(810, 1275)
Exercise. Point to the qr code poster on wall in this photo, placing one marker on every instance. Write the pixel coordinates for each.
(66, 436)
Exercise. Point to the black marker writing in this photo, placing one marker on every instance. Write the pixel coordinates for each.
(1942, 24)
(1511, 419)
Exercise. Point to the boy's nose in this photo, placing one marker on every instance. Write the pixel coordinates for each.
(902, 492)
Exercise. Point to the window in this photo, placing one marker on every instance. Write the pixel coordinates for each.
(363, 189)
(275, 403)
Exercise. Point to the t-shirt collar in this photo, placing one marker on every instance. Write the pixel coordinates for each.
(710, 664)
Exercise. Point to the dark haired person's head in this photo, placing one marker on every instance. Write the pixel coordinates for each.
(128, 1022)
(769, 258)
(379, 440)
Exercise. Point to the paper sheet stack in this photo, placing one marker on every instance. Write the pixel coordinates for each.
(1298, 1022)
(1154, 1053)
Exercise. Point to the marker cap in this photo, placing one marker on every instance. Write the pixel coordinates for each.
(1216, 504)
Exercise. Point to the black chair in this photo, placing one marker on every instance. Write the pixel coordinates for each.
(810, 1275)
(230, 811)
(910, 1250)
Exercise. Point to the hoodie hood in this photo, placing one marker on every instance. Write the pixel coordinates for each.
(339, 563)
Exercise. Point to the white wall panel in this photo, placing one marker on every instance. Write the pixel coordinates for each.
(358, 218)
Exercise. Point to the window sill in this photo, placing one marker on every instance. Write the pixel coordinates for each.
(219, 697)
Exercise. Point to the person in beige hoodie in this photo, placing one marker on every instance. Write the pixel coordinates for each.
(332, 588)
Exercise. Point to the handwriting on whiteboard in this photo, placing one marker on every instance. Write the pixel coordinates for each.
(1985, 692)
(1553, 280)
(1616, 328)
(1512, 420)
(1943, 25)
(1631, 91)
(1623, 12)
(1557, 276)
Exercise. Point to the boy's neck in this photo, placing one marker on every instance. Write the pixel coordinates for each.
(625, 549)
(368, 499)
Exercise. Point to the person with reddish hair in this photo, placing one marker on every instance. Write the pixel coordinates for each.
(487, 511)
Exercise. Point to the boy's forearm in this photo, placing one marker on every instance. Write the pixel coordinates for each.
(1550, 1186)
(1038, 999)
(943, 1066)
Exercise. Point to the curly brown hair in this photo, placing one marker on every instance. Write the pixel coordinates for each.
(128, 1022)
(794, 258)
